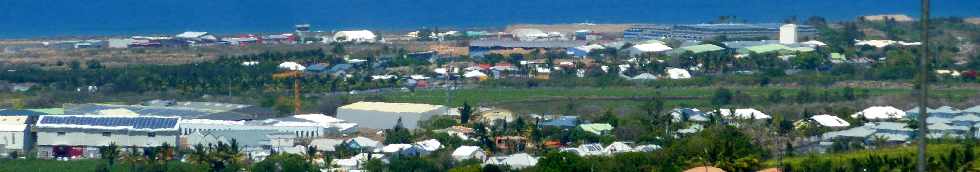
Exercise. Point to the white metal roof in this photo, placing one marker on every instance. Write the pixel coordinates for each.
(191, 34)
(745, 113)
(392, 107)
(291, 66)
(651, 47)
(830, 121)
(463, 151)
(678, 73)
(880, 112)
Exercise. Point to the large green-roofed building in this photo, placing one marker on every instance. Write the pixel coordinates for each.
(697, 49)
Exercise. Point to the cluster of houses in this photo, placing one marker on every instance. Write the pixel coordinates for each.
(884, 124)
(891, 125)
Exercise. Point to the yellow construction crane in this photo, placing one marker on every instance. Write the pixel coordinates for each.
(295, 74)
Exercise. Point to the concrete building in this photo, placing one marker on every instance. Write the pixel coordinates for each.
(14, 135)
(787, 34)
(710, 31)
(80, 136)
(381, 115)
(302, 126)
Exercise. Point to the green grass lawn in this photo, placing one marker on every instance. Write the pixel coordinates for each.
(499, 95)
(84, 165)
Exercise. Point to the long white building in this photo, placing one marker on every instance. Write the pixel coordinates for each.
(381, 115)
(81, 135)
(303, 126)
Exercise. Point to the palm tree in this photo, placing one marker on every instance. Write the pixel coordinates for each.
(110, 153)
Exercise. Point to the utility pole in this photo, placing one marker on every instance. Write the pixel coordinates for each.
(923, 88)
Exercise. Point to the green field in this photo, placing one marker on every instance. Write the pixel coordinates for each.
(697, 95)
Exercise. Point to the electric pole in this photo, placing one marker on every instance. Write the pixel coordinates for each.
(923, 88)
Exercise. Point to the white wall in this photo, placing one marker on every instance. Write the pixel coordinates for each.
(385, 120)
(95, 138)
(12, 140)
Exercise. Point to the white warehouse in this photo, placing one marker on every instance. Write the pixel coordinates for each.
(381, 115)
(81, 136)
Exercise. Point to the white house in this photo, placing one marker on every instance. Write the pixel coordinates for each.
(880, 113)
(291, 66)
(744, 114)
(830, 121)
(678, 73)
(469, 152)
(515, 161)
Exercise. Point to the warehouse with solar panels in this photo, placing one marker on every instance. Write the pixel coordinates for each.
(380, 115)
(77, 136)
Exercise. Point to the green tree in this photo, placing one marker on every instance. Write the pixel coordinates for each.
(465, 112)
(283, 162)
(722, 97)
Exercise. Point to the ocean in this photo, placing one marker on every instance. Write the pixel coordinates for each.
(57, 18)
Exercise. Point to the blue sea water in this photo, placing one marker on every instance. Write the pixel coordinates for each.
(50, 18)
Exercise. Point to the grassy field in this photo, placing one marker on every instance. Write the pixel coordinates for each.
(933, 150)
(85, 165)
(693, 95)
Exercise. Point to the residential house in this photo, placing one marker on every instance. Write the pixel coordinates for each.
(829, 121)
(328, 145)
(597, 128)
(469, 152)
(880, 113)
(363, 143)
(593, 149)
(943, 112)
(515, 161)
(688, 114)
(743, 114)
(510, 143)
(619, 147)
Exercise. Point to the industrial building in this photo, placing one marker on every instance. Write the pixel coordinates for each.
(381, 115)
(187, 110)
(80, 135)
(14, 135)
(302, 126)
(698, 32)
(479, 48)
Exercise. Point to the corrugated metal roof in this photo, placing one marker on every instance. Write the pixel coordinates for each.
(702, 48)
(526, 44)
(107, 122)
(392, 107)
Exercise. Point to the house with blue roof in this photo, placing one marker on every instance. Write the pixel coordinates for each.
(80, 136)
(319, 67)
(339, 69)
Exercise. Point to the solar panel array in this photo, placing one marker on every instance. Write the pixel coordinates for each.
(135, 122)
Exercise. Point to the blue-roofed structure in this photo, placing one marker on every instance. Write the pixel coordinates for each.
(319, 67)
(81, 135)
(148, 123)
(339, 69)
(204, 110)
(18, 112)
